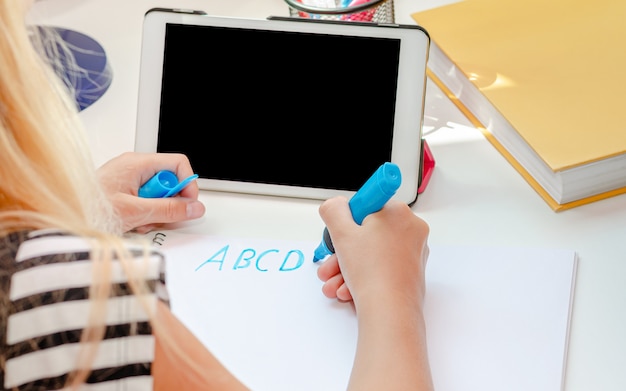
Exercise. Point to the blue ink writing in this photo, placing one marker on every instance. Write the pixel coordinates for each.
(262, 261)
(214, 258)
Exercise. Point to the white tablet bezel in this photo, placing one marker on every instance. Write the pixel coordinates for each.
(407, 134)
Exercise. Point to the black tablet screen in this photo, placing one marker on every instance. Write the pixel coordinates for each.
(287, 108)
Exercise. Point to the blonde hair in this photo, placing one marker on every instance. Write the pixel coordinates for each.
(48, 179)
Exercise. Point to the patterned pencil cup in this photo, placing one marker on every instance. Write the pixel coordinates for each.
(376, 11)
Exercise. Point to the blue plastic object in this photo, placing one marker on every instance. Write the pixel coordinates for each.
(81, 62)
(164, 184)
(370, 198)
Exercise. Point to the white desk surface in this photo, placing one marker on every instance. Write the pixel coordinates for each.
(474, 195)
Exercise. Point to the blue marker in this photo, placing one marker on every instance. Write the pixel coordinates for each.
(164, 184)
(370, 198)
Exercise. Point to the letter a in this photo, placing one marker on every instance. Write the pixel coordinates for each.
(216, 258)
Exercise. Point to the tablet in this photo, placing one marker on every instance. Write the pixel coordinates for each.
(281, 106)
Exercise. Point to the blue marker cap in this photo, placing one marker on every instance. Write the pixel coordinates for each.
(164, 184)
(375, 193)
(370, 198)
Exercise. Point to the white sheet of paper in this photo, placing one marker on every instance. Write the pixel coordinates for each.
(497, 318)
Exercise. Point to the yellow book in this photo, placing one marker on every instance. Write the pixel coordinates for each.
(546, 83)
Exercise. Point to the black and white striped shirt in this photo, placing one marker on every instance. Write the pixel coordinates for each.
(44, 305)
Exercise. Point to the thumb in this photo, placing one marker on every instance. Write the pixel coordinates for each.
(174, 209)
(136, 212)
(335, 213)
